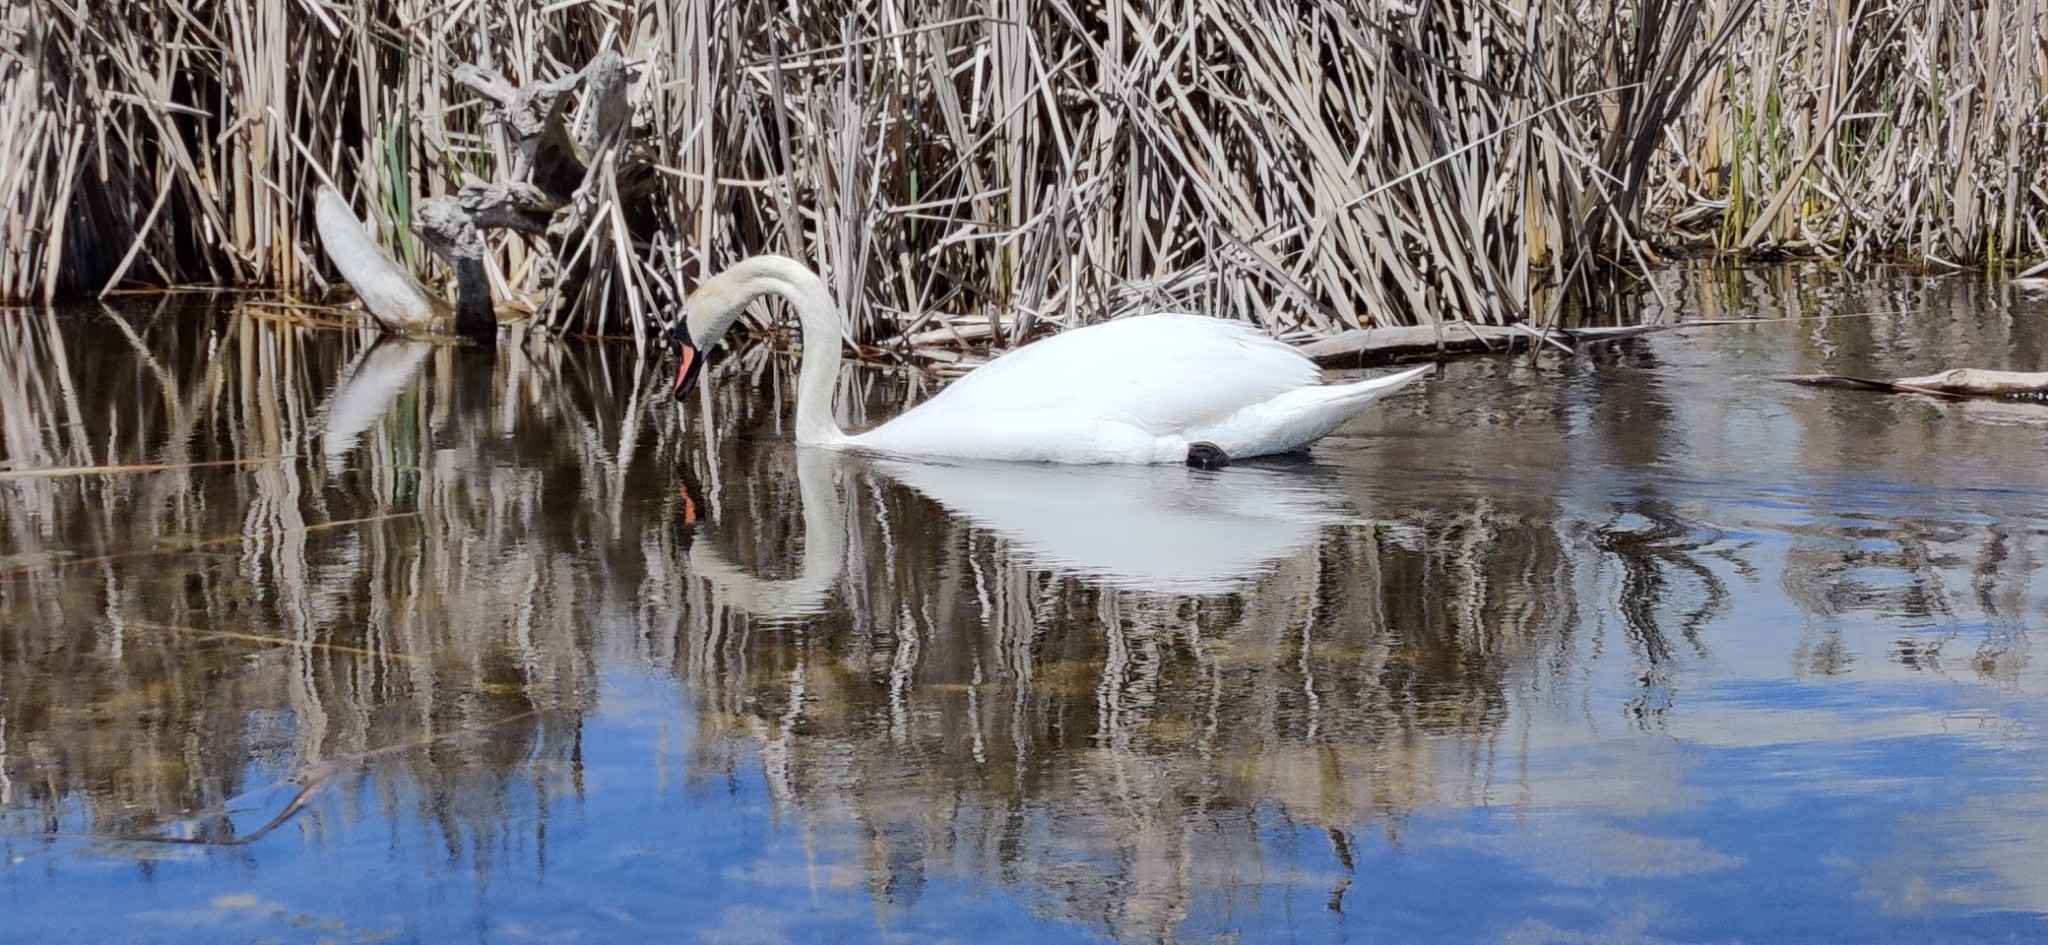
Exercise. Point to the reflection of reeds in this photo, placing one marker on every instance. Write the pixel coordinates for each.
(963, 698)
(434, 604)
(289, 611)
(1860, 562)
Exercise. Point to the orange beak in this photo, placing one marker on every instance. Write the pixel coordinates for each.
(688, 364)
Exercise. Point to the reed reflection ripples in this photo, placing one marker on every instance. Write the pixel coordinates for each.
(1635, 644)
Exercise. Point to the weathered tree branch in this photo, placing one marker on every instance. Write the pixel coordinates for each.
(605, 81)
(449, 230)
(546, 154)
(1958, 382)
(512, 206)
(552, 192)
(1361, 346)
(389, 294)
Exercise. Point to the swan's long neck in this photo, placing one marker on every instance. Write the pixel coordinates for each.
(718, 302)
(818, 377)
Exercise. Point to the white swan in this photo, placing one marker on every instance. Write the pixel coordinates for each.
(1145, 389)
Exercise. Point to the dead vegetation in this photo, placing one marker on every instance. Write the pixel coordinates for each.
(966, 172)
(1891, 129)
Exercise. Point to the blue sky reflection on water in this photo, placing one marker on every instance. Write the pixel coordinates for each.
(646, 853)
(1606, 849)
(1641, 647)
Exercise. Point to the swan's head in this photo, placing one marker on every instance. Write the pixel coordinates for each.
(707, 313)
(718, 301)
(689, 364)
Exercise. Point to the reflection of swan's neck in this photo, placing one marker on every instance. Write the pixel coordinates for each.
(719, 301)
(824, 554)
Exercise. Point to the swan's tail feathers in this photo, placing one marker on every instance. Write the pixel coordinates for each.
(1297, 418)
(1371, 389)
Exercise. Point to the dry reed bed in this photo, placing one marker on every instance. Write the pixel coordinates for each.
(965, 171)
(1894, 129)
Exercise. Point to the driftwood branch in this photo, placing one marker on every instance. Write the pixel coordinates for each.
(550, 193)
(1361, 346)
(450, 231)
(546, 154)
(389, 294)
(1959, 382)
(606, 111)
(512, 206)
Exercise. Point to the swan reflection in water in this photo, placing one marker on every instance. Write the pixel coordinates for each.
(1163, 529)
(1166, 529)
(1170, 529)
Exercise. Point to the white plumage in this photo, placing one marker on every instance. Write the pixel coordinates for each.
(1132, 390)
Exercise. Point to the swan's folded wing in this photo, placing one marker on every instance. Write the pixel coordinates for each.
(1162, 374)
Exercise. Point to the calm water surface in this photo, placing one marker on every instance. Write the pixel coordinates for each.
(1633, 646)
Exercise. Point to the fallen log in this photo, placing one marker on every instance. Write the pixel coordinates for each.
(1958, 382)
(1360, 347)
(389, 294)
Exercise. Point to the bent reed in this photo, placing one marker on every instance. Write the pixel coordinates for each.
(966, 172)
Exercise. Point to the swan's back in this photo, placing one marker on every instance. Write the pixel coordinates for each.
(1151, 375)
(1159, 373)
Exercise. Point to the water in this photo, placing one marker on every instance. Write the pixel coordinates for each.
(1635, 646)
